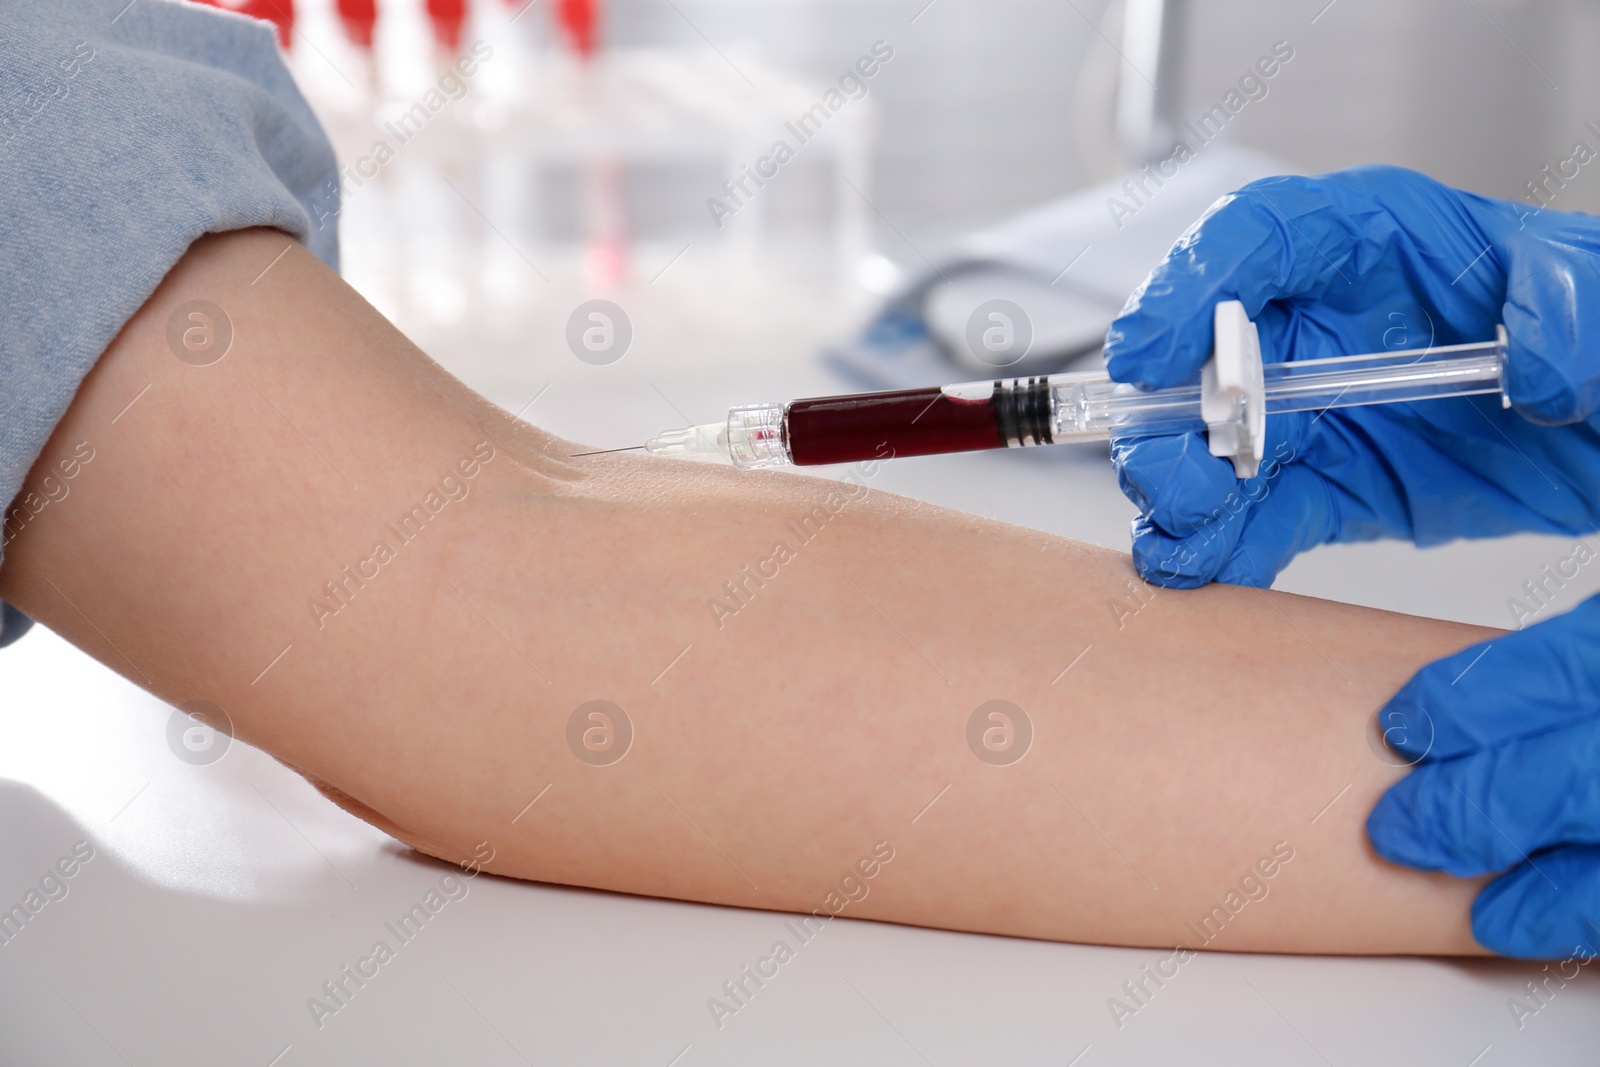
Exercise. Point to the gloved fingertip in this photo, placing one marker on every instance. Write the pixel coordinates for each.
(1161, 337)
(1175, 481)
(1548, 313)
(1396, 836)
(1405, 724)
(1246, 567)
(1545, 908)
(1459, 704)
(1560, 410)
(1499, 921)
(1143, 358)
(1541, 392)
(1131, 479)
(1167, 561)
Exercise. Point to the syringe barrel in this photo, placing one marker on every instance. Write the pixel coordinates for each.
(1091, 405)
(1387, 377)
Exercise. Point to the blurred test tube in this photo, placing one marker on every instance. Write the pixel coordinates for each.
(604, 179)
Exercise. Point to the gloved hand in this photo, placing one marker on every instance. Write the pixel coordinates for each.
(1506, 736)
(1358, 261)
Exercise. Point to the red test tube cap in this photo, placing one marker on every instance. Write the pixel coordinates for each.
(448, 18)
(360, 17)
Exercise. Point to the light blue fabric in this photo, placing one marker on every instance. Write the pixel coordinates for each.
(126, 132)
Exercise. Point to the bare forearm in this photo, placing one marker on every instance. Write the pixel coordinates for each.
(259, 533)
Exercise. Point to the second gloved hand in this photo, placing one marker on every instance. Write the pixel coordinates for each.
(1363, 260)
(1506, 741)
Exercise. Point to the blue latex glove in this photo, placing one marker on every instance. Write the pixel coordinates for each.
(1506, 739)
(1358, 261)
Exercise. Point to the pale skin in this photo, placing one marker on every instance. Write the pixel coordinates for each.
(1197, 734)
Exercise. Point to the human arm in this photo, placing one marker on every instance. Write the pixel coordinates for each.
(770, 753)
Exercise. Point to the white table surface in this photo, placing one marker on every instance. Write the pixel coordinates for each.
(222, 896)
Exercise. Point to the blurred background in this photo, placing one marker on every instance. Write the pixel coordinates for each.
(984, 111)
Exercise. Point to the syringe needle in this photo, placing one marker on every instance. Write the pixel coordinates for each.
(606, 451)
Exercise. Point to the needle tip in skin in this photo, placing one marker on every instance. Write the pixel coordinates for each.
(606, 451)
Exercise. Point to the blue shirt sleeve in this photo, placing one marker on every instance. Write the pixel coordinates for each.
(127, 130)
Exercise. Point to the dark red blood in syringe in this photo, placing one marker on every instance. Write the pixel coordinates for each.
(905, 422)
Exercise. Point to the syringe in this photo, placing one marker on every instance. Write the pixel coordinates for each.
(1231, 402)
